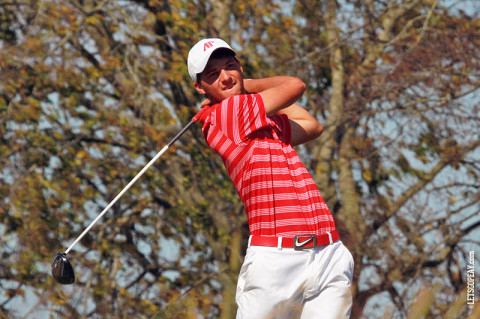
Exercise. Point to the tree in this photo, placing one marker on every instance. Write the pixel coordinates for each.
(91, 90)
(393, 163)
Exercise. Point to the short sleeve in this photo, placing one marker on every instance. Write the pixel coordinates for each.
(281, 123)
(240, 115)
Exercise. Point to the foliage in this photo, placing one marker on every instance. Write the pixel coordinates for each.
(90, 90)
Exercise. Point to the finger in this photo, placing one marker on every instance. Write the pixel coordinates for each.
(205, 103)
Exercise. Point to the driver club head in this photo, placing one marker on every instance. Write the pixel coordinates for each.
(62, 270)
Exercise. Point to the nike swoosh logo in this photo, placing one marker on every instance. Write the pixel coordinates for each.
(302, 243)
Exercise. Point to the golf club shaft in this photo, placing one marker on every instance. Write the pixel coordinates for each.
(139, 174)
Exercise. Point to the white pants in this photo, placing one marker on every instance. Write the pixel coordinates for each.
(285, 283)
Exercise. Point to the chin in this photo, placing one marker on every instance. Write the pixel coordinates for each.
(234, 91)
(229, 93)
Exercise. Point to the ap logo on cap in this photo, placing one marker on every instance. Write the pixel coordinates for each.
(207, 45)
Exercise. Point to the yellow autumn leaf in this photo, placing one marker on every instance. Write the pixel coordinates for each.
(367, 175)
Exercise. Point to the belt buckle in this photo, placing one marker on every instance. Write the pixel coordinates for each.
(301, 245)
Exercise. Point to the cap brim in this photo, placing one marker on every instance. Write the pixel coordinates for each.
(201, 66)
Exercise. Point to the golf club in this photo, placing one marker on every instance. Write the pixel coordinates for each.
(62, 269)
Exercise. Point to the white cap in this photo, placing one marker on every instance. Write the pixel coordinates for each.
(201, 52)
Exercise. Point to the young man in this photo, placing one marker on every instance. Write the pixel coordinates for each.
(294, 253)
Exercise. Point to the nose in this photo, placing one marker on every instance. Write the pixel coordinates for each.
(225, 76)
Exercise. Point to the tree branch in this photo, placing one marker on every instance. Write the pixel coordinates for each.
(394, 207)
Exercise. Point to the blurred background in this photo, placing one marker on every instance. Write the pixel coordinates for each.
(91, 90)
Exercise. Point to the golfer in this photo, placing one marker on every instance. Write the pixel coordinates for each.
(294, 254)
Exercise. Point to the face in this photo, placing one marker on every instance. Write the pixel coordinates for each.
(221, 79)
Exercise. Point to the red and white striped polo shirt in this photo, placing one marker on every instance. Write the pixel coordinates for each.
(279, 194)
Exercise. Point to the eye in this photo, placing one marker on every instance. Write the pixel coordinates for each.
(213, 74)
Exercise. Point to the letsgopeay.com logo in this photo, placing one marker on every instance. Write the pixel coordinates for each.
(471, 280)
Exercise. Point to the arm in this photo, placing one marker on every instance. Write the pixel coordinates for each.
(304, 126)
(278, 92)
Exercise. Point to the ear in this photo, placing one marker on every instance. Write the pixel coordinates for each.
(199, 88)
